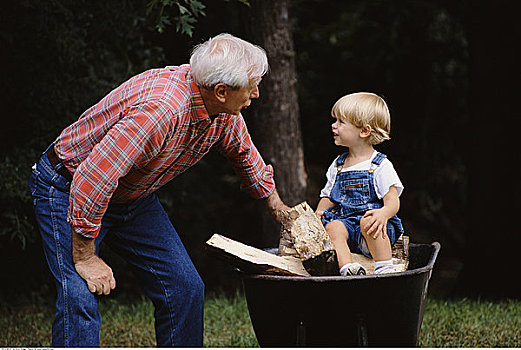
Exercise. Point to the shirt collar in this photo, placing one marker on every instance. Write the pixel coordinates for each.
(198, 108)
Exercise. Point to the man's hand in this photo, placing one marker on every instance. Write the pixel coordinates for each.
(275, 204)
(97, 274)
(90, 267)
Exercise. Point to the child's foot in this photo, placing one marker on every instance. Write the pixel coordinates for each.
(352, 269)
(384, 270)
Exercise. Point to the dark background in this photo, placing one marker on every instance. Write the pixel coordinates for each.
(448, 70)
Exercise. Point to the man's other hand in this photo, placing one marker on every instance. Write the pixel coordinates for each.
(97, 274)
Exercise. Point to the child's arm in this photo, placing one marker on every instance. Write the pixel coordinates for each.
(323, 204)
(379, 217)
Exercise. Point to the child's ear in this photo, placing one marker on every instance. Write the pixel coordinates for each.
(366, 131)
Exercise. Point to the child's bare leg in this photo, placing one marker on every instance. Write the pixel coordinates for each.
(380, 247)
(338, 234)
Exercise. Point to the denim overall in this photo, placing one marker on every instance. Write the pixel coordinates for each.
(353, 194)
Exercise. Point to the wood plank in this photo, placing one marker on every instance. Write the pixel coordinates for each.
(254, 260)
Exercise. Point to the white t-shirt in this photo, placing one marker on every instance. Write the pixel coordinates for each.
(384, 176)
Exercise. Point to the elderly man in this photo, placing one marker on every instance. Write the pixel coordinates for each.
(97, 181)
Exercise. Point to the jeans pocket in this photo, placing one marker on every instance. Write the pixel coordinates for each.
(33, 180)
(355, 191)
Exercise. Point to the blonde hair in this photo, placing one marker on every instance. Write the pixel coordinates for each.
(227, 59)
(365, 108)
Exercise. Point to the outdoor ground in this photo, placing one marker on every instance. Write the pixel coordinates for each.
(129, 323)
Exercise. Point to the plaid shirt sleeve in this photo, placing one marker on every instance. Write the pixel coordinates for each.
(236, 145)
(132, 141)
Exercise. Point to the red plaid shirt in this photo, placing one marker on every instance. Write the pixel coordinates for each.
(141, 135)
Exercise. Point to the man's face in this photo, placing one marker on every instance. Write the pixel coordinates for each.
(238, 99)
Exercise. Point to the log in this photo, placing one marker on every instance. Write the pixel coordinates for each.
(254, 260)
(303, 235)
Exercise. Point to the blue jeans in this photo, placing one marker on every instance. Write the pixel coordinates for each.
(144, 236)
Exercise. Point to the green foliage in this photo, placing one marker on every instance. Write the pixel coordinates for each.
(184, 13)
(187, 12)
(17, 221)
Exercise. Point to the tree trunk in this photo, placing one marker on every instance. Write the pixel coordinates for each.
(275, 117)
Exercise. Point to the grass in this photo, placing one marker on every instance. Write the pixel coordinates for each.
(476, 323)
(457, 323)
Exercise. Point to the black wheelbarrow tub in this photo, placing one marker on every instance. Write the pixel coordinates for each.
(372, 310)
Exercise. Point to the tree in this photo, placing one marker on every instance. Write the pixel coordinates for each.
(276, 117)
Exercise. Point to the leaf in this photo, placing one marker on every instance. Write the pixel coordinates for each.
(197, 8)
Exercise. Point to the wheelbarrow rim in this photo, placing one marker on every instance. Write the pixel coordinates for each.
(419, 270)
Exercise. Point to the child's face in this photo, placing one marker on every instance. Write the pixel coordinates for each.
(345, 133)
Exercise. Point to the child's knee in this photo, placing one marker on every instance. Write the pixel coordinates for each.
(363, 226)
(336, 230)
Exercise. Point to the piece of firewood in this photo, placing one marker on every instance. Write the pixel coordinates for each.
(254, 260)
(303, 235)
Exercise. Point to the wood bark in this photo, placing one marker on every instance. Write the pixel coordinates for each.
(303, 235)
(274, 119)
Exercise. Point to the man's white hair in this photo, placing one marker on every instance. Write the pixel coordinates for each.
(227, 59)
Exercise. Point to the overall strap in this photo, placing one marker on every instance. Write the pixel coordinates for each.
(377, 160)
(340, 162)
(341, 159)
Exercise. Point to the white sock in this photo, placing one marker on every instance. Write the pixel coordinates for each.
(383, 265)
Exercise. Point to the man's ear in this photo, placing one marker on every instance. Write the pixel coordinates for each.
(219, 92)
(366, 131)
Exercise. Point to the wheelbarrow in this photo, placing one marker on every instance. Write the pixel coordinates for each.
(372, 310)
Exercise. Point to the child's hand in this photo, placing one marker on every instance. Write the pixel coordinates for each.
(322, 206)
(374, 222)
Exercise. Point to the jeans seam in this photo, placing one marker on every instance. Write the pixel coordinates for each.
(59, 259)
(165, 292)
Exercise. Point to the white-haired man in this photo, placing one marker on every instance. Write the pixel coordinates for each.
(97, 181)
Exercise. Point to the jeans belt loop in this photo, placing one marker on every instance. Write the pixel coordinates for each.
(55, 161)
